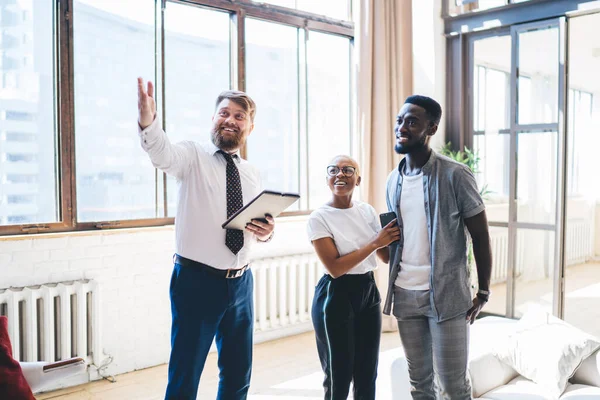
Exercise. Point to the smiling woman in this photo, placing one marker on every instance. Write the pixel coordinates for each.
(346, 235)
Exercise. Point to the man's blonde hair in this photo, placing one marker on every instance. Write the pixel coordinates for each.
(239, 98)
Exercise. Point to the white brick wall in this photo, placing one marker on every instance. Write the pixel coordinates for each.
(133, 268)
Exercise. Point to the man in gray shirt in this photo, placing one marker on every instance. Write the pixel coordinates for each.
(435, 198)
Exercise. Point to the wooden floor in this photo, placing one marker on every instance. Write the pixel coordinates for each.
(289, 368)
(283, 369)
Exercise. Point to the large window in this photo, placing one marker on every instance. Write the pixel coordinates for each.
(581, 135)
(28, 132)
(273, 80)
(197, 68)
(112, 47)
(491, 121)
(328, 109)
(538, 148)
(70, 157)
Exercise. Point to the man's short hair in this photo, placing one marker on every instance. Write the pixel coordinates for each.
(433, 110)
(239, 98)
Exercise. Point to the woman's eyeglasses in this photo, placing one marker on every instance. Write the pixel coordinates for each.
(333, 170)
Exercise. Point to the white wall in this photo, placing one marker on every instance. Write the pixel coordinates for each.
(429, 56)
(132, 268)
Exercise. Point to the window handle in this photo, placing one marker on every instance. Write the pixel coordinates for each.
(35, 228)
(108, 225)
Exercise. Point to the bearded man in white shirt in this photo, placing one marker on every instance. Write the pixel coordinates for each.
(211, 285)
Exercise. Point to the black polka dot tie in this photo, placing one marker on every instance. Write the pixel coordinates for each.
(234, 238)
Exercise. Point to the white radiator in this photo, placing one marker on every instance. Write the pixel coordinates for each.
(500, 258)
(499, 244)
(580, 239)
(52, 322)
(283, 293)
(578, 249)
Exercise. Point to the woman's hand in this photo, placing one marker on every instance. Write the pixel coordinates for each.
(390, 233)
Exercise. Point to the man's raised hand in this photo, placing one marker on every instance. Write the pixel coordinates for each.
(146, 104)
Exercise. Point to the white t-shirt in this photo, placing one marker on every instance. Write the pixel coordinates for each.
(350, 228)
(415, 266)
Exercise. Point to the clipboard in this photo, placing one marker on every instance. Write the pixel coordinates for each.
(267, 202)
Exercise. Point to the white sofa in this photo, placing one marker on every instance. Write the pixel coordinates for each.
(492, 379)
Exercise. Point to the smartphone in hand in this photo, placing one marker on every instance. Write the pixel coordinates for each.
(386, 218)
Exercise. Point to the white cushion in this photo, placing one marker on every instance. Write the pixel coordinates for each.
(588, 372)
(546, 350)
(517, 389)
(581, 392)
(488, 330)
(485, 370)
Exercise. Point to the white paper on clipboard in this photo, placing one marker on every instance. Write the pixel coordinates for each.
(267, 202)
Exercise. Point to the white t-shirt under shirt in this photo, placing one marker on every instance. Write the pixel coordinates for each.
(415, 266)
(350, 228)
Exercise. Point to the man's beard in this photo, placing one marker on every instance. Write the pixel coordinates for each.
(403, 149)
(227, 143)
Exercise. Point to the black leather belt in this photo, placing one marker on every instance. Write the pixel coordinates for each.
(223, 273)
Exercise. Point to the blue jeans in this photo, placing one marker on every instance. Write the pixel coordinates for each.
(205, 306)
(433, 349)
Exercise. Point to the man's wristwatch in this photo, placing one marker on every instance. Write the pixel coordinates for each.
(483, 295)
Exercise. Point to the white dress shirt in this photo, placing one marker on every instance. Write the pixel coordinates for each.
(202, 203)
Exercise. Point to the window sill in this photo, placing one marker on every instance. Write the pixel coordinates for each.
(120, 231)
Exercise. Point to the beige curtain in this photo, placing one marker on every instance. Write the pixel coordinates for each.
(383, 37)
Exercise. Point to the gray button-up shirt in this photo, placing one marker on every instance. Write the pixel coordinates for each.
(451, 195)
